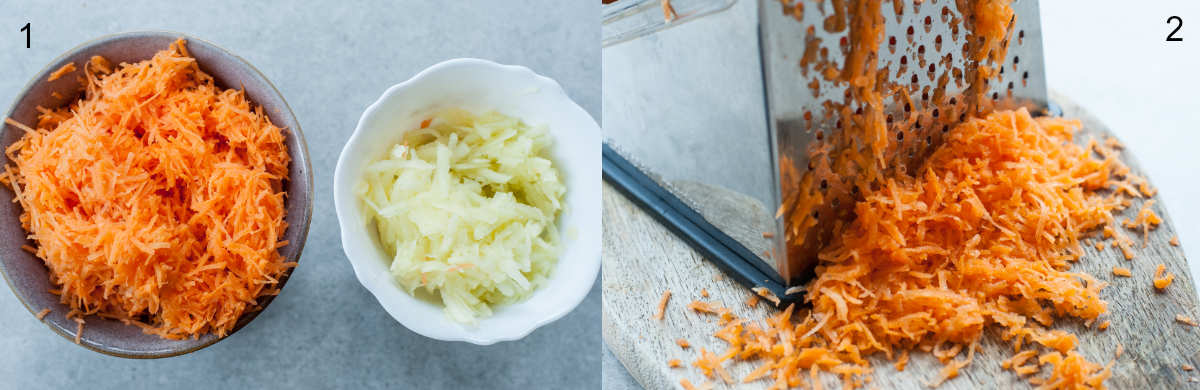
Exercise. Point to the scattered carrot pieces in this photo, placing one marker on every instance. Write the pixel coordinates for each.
(1146, 219)
(686, 384)
(155, 196)
(673, 363)
(1120, 351)
(1187, 367)
(752, 300)
(683, 343)
(1174, 241)
(1185, 320)
(42, 314)
(704, 293)
(768, 235)
(62, 71)
(662, 305)
(1104, 325)
(1161, 282)
(1122, 271)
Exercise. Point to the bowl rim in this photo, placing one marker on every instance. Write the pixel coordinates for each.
(51, 66)
(340, 204)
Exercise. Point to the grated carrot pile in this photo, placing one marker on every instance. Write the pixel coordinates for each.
(156, 199)
(983, 237)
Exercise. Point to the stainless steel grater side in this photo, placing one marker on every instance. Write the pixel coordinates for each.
(921, 59)
(738, 177)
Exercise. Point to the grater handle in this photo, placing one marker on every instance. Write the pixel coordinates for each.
(717, 247)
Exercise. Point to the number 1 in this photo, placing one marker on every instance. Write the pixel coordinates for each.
(26, 31)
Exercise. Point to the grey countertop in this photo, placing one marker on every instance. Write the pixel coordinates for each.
(330, 60)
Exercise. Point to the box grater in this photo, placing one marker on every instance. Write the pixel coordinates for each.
(726, 190)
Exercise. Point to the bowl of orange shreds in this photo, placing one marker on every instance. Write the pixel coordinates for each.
(156, 194)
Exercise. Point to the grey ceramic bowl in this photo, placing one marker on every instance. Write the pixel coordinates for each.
(28, 276)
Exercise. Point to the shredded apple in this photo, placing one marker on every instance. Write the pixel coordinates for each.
(155, 199)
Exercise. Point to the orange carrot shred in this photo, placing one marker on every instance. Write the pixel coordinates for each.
(1160, 281)
(683, 343)
(662, 305)
(673, 363)
(42, 314)
(1122, 271)
(62, 71)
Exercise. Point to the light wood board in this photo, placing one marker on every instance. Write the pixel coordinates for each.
(642, 259)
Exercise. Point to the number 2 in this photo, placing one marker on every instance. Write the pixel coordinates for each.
(1171, 37)
(26, 31)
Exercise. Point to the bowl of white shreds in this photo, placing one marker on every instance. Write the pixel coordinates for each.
(469, 201)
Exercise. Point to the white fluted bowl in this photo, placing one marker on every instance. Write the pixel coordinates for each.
(478, 86)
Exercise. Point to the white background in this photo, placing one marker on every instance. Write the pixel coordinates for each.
(1111, 57)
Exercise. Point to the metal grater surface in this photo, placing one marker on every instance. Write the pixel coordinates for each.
(922, 48)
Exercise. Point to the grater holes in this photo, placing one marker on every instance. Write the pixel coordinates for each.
(1020, 37)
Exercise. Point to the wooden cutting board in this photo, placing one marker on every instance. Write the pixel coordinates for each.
(642, 259)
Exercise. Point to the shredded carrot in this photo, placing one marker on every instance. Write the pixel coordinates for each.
(157, 196)
(1187, 367)
(62, 71)
(752, 300)
(766, 294)
(1174, 241)
(1146, 219)
(1160, 281)
(704, 293)
(683, 343)
(1185, 320)
(686, 384)
(979, 234)
(78, 330)
(1122, 271)
(662, 305)
(100, 65)
(1104, 325)
(668, 11)
(673, 363)
(1120, 351)
(768, 235)
(42, 314)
